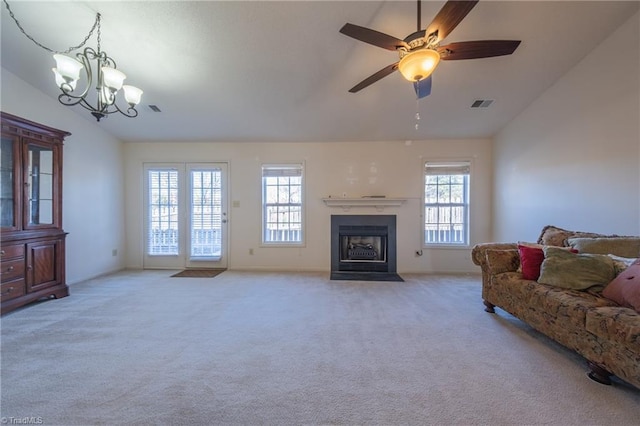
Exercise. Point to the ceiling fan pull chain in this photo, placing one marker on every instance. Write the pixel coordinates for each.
(95, 24)
(417, 126)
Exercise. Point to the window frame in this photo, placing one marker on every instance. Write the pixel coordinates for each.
(445, 165)
(264, 219)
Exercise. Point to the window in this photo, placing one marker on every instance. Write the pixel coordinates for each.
(446, 203)
(163, 212)
(282, 204)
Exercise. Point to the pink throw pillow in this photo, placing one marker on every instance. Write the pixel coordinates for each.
(625, 288)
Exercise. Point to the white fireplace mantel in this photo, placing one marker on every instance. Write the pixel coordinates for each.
(378, 203)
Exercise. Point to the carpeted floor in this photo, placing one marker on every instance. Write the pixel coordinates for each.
(199, 273)
(246, 348)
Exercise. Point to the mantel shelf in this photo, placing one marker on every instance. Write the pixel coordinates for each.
(378, 203)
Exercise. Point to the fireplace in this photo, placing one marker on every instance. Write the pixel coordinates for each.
(363, 247)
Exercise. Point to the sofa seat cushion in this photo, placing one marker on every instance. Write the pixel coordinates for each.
(568, 306)
(617, 324)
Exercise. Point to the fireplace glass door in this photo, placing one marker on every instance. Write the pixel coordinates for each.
(363, 248)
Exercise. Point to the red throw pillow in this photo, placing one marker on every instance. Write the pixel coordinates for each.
(530, 260)
(625, 288)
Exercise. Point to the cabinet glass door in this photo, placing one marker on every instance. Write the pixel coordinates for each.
(39, 185)
(9, 150)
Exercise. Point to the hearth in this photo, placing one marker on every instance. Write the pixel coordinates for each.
(363, 247)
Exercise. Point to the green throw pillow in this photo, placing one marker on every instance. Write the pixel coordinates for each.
(562, 268)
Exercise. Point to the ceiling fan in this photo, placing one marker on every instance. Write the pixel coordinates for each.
(420, 52)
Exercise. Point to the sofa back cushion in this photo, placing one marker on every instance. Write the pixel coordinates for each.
(619, 246)
(554, 236)
(562, 268)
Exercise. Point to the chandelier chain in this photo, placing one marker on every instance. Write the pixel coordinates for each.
(70, 49)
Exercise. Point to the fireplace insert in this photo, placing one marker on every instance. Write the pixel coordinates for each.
(363, 247)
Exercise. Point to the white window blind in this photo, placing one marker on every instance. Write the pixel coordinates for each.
(282, 204)
(446, 203)
(206, 214)
(162, 238)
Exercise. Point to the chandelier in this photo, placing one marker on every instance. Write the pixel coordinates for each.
(100, 72)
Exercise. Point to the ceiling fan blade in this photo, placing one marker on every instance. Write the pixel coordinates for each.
(423, 87)
(374, 77)
(372, 37)
(451, 14)
(477, 49)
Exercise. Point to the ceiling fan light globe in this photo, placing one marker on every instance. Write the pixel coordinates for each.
(418, 65)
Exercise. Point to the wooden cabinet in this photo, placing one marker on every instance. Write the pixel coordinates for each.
(32, 254)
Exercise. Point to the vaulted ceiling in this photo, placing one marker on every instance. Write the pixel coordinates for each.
(281, 71)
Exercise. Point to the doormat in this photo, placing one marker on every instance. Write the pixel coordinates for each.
(365, 276)
(199, 273)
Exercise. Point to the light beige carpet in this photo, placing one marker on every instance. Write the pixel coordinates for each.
(291, 349)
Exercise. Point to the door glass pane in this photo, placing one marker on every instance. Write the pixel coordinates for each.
(206, 214)
(40, 185)
(6, 183)
(163, 212)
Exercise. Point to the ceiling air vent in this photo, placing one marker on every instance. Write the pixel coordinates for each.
(154, 108)
(481, 103)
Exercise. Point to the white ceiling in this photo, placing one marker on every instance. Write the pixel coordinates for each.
(281, 71)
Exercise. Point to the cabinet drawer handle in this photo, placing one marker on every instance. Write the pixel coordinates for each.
(2, 252)
(9, 290)
(10, 268)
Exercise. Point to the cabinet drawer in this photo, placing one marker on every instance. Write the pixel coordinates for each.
(12, 289)
(12, 269)
(9, 252)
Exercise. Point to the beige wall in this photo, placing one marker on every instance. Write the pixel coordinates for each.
(572, 158)
(93, 199)
(393, 169)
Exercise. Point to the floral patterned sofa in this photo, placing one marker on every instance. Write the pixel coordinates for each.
(605, 333)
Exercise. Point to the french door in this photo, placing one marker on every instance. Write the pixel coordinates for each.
(185, 215)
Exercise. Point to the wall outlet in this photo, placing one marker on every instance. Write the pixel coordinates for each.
(251, 251)
(344, 195)
(114, 252)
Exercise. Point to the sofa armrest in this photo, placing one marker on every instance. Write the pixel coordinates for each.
(478, 253)
(499, 261)
(479, 257)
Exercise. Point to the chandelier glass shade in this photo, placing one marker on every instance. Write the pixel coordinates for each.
(418, 64)
(100, 70)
